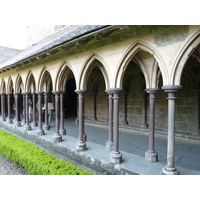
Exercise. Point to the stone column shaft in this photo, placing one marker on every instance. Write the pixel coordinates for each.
(9, 108)
(81, 145)
(40, 129)
(27, 126)
(62, 129)
(109, 143)
(34, 110)
(47, 127)
(116, 156)
(170, 168)
(24, 108)
(3, 107)
(57, 137)
(16, 95)
(151, 155)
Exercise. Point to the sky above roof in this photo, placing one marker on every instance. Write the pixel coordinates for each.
(13, 36)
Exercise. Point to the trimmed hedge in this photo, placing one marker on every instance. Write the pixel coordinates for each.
(35, 160)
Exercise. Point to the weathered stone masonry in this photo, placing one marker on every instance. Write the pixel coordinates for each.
(135, 78)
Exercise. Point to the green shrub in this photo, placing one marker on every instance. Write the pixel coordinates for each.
(35, 160)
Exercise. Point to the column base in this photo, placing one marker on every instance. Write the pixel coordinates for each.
(151, 156)
(80, 146)
(109, 145)
(170, 171)
(40, 132)
(63, 132)
(116, 157)
(27, 127)
(57, 138)
(34, 124)
(9, 121)
(17, 124)
(47, 128)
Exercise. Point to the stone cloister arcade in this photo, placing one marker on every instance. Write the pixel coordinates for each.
(131, 85)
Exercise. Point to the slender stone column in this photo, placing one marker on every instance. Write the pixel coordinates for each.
(109, 143)
(116, 156)
(144, 109)
(3, 107)
(34, 110)
(27, 126)
(81, 145)
(17, 122)
(40, 129)
(24, 108)
(125, 106)
(151, 155)
(170, 168)
(9, 120)
(95, 105)
(57, 137)
(46, 127)
(62, 129)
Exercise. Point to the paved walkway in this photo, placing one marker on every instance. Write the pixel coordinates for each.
(131, 145)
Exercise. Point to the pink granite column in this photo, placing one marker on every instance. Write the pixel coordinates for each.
(16, 95)
(57, 136)
(151, 155)
(81, 144)
(40, 128)
(9, 120)
(116, 156)
(170, 168)
(62, 129)
(109, 143)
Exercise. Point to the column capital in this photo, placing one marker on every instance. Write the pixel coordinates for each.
(16, 93)
(116, 90)
(80, 91)
(39, 93)
(2, 93)
(171, 90)
(56, 92)
(152, 92)
(9, 93)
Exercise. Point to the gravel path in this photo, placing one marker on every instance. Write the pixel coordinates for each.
(7, 167)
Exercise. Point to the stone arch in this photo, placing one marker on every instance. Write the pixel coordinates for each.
(150, 75)
(3, 86)
(45, 81)
(62, 77)
(10, 85)
(94, 60)
(19, 86)
(30, 83)
(183, 56)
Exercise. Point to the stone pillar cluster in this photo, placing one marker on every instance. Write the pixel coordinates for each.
(112, 143)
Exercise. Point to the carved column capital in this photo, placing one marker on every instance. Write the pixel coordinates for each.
(171, 90)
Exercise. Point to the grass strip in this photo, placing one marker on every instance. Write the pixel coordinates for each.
(35, 160)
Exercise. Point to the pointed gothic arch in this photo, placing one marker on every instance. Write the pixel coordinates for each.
(94, 60)
(135, 52)
(45, 81)
(182, 58)
(30, 85)
(10, 85)
(19, 85)
(63, 75)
